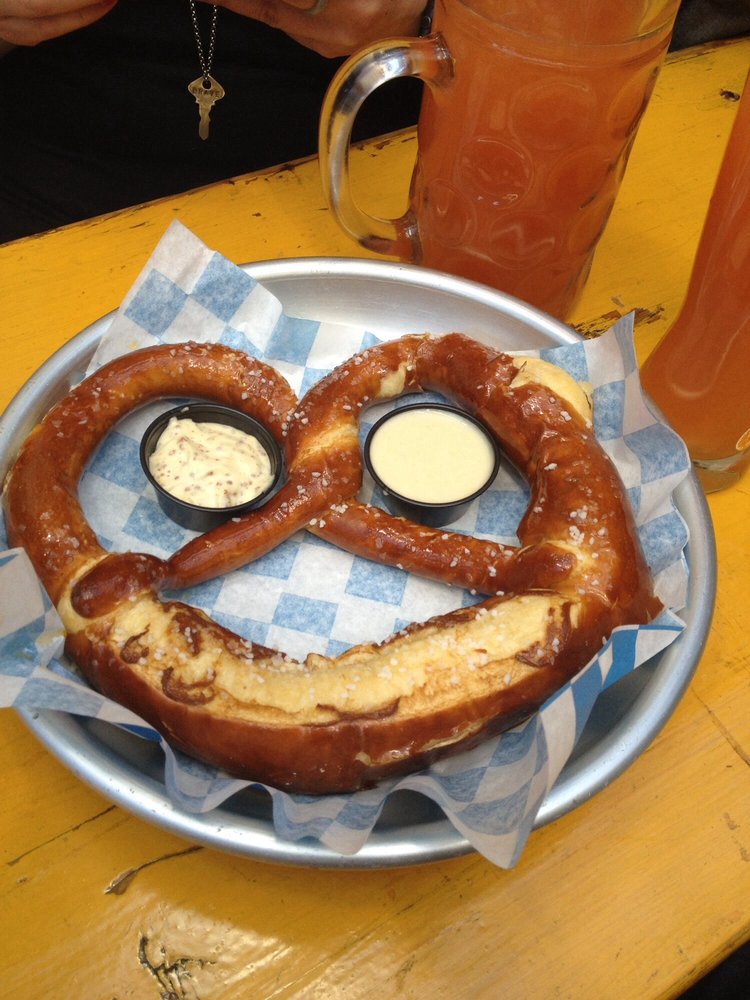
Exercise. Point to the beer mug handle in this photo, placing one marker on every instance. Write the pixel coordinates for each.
(426, 58)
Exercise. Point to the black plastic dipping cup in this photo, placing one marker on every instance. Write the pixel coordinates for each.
(432, 514)
(194, 516)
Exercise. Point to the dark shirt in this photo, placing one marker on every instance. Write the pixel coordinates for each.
(701, 21)
(103, 118)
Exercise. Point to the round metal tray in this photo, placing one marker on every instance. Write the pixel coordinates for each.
(386, 298)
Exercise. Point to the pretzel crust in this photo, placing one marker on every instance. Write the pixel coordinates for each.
(336, 724)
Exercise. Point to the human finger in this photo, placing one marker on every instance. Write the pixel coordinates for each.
(310, 7)
(61, 18)
(337, 28)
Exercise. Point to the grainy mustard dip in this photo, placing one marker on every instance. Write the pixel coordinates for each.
(210, 464)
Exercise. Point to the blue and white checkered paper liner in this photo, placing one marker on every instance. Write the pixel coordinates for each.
(306, 595)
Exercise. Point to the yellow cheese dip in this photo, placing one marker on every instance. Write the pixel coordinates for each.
(431, 455)
(210, 464)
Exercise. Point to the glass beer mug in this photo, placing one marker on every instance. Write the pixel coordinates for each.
(529, 113)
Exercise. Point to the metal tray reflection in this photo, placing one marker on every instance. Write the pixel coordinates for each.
(391, 298)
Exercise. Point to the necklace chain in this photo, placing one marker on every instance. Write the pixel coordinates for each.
(205, 89)
(206, 61)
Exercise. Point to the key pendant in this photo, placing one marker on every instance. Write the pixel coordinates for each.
(205, 98)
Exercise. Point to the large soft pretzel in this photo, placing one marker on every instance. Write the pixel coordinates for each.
(334, 724)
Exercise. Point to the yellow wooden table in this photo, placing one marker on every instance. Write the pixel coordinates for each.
(634, 894)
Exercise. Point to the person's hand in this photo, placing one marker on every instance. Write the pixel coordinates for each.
(335, 27)
(28, 22)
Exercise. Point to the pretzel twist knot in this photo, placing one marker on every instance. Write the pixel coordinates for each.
(334, 724)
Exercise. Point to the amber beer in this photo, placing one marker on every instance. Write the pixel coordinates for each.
(522, 154)
(529, 114)
(699, 373)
